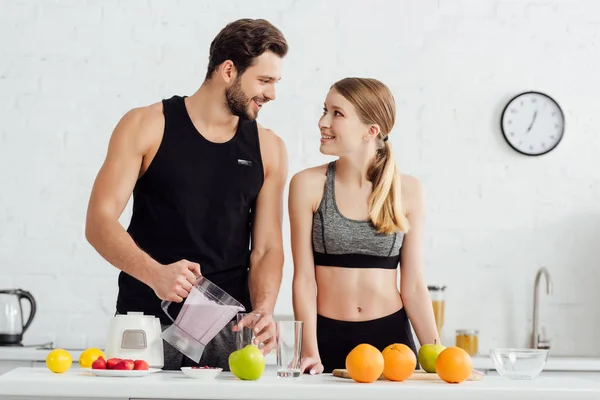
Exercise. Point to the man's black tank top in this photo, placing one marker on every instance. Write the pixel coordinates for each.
(195, 202)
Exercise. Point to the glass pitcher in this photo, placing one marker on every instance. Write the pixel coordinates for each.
(438, 301)
(205, 311)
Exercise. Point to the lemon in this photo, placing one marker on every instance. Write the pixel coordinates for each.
(59, 361)
(87, 358)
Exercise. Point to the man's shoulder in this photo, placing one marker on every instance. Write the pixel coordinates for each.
(141, 127)
(144, 116)
(273, 149)
(270, 138)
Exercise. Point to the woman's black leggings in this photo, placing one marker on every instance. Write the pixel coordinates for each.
(337, 338)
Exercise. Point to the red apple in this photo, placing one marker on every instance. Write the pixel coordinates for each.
(140, 365)
(112, 362)
(99, 363)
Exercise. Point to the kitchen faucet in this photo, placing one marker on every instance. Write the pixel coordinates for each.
(536, 342)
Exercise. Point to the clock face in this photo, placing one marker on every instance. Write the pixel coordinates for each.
(532, 123)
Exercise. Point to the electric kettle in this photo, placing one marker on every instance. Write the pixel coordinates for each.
(12, 326)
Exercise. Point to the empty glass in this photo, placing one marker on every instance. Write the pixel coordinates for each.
(289, 348)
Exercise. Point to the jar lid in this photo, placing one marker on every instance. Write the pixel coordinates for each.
(468, 332)
(436, 287)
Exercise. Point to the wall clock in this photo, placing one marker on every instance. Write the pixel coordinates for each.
(532, 123)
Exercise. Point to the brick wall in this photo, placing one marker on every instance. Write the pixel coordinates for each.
(70, 69)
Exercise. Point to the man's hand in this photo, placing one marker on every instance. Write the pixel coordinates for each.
(174, 282)
(265, 331)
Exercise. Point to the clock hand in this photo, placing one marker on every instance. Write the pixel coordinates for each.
(532, 121)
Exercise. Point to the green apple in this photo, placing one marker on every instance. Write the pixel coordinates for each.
(428, 355)
(247, 363)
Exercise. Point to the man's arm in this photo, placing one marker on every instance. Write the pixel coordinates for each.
(111, 191)
(266, 260)
(133, 136)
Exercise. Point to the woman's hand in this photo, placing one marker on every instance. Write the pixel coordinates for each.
(311, 365)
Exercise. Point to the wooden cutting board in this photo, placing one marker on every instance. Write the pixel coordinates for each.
(418, 375)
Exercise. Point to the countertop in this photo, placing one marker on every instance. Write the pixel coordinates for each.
(175, 385)
(480, 362)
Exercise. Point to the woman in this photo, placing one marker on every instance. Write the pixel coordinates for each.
(352, 222)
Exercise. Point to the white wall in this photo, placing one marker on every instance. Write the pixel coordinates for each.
(70, 69)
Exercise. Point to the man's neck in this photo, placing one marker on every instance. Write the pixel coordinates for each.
(208, 110)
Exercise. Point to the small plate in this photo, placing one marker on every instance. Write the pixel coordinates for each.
(122, 372)
(201, 373)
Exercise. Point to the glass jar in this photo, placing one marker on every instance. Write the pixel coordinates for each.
(438, 302)
(468, 340)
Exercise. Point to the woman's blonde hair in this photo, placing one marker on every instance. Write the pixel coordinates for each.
(375, 104)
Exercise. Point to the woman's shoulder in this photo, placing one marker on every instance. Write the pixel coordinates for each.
(309, 183)
(412, 192)
(310, 176)
(410, 183)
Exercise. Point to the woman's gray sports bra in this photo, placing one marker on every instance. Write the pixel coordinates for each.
(344, 242)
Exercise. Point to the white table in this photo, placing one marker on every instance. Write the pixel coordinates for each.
(40, 383)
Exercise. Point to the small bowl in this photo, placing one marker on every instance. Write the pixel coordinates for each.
(201, 373)
(514, 363)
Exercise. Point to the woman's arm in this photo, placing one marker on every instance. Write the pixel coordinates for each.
(413, 288)
(304, 287)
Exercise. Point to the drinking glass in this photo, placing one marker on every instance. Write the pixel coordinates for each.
(246, 334)
(289, 348)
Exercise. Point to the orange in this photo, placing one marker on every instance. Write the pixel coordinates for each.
(453, 365)
(365, 363)
(399, 362)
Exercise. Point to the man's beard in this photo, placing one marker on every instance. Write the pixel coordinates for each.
(237, 101)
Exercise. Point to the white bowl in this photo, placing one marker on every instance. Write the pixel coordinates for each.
(201, 373)
(519, 363)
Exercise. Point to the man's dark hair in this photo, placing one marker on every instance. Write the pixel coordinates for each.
(243, 40)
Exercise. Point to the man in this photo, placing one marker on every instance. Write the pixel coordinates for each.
(206, 181)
